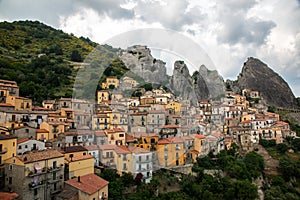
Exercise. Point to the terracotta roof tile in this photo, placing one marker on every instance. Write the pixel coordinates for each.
(40, 155)
(107, 147)
(42, 131)
(122, 150)
(79, 157)
(139, 150)
(23, 140)
(199, 136)
(89, 183)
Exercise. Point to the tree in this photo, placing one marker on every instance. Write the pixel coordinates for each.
(76, 56)
(296, 144)
(254, 164)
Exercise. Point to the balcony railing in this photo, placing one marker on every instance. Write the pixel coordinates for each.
(50, 169)
(54, 181)
(32, 185)
(55, 191)
(37, 173)
(144, 161)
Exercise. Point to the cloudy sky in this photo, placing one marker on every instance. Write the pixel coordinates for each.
(227, 31)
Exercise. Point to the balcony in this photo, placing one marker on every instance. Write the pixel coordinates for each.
(54, 181)
(50, 169)
(36, 173)
(52, 192)
(3, 150)
(144, 169)
(33, 186)
(144, 161)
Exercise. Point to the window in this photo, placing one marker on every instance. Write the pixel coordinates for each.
(20, 147)
(124, 157)
(10, 167)
(13, 144)
(54, 164)
(124, 166)
(147, 157)
(140, 158)
(107, 154)
(26, 146)
(10, 180)
(121, 135)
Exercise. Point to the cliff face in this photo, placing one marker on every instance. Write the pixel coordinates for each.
(214, 82)
(181, 83)
(203, 84)
(140, 61)
(256, 75)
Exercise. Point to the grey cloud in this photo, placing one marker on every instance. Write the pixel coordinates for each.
(49, 11)
(236, 29)
(173, 14)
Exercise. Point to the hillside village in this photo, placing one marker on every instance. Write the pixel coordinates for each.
(56, 150)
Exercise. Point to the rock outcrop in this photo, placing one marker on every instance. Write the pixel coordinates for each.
(139, 60)
(214, 82)
(182, 84)
(256, 75)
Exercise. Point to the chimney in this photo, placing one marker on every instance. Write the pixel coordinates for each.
(78, 179)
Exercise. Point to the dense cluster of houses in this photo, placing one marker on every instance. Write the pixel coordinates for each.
(54, 150)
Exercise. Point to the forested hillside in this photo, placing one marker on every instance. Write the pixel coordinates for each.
(43, 60)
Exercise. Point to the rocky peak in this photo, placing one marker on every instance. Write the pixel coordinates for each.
(139, 60)
(256, 75)
(213, 80)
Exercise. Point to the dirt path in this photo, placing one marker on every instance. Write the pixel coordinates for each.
(271, 164)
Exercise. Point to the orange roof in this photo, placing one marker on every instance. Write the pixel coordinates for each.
(139, 150)
(92, 147)
(40, 155)
(122, 150)
(170, 126)
(199, 136)
(8, 195)
(23, 140)
(100, 134)
(6, 105)
(89, 183)
(42, 131)
(107, 146)
(195, 151)
(170, 141)
(79, 157)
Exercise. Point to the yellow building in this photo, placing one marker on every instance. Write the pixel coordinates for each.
(123, 159)
(102, 95)
(78, 161)
(130, 81)
(8, 149)
(116, 136)
(171, 152)
(36, 174)
(42, 134)
(89, 187)
(199, 143)
(175, 106)
(54, 128)
(101, 121)
(148, 142)
(20, 103)
(111, 80)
